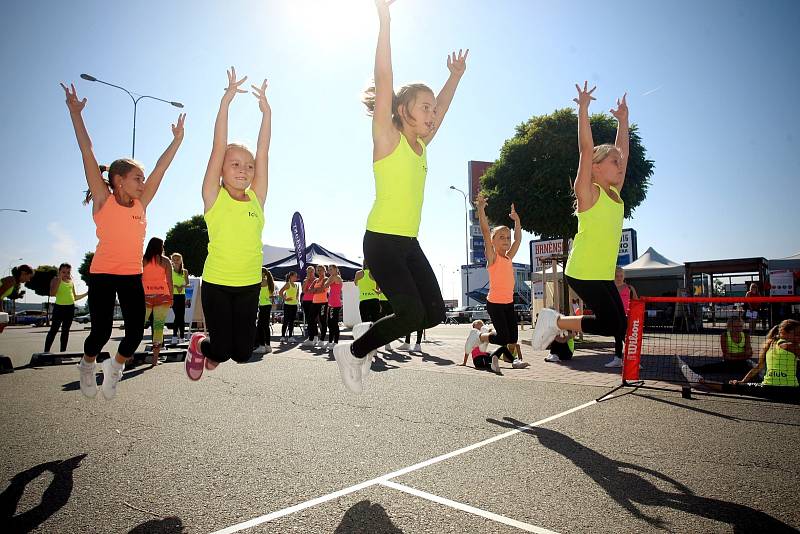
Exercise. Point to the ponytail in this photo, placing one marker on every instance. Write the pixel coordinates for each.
(119, 167)
(405, 97)
(772, 336)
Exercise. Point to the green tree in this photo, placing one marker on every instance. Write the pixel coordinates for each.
(190, 239)
(537, 166)
(83, 270)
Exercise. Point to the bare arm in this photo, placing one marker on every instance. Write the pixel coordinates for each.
(488, 249)
(517, 233)
(622, 141)
(384, 134)
(153, 181)
(211, 183)
(261, 179)
(167, 265)
(457, 65)
(585, 192)
(634, 294)
(748, 348)
(54, 286)
(94, 177)
(753, 373)
(723, 345)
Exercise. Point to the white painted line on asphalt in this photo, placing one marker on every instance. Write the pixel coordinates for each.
(527, 527)
(385, 478)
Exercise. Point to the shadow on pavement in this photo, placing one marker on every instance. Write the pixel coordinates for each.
(624, 482)
(53, 498)
(366, 518)
(168, 525)
(712, 413)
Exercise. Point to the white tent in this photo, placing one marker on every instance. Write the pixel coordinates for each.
(651, 264)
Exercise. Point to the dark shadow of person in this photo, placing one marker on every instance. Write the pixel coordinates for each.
(168, 525)
(366, 518)
(53, 498)
(624, 483)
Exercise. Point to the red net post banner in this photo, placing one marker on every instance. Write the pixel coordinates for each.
(633, 341)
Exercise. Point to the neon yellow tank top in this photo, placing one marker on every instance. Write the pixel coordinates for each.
(264, 297)
(399, 191)
(64, 295)
(596, 245)
(234, 241)
(178, 279)
(8, 291)
(382, 297)
(781, 366)
(366, 287)
(735, 348)
(290, 295)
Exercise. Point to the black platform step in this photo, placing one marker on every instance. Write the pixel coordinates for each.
(59, 358)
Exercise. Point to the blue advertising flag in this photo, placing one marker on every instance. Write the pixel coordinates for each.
(299, 240)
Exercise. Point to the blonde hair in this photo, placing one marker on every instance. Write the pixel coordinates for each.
(178, 255)
(405, 97)
(240, 147)
(777, 332)
(497, 229)
(601, 152)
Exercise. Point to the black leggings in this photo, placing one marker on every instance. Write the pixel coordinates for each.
(289, 314)
(307, 311)
(322, 319)
(262, 328)
(230, 314)
(62, 318)
(370, 310)
(312, 320)
(179, 309)
(403, 273)
(408, 337)
(602, 297)
(333, 323)
(104, 290)
(755, 389)
(504, 322)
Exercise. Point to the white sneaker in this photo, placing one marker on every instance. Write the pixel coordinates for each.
(111, 378)
(546, 329)
(473, 340)
(404, 346)
(349, 367)
(88, 380)
(359, 330)
(519, 364)
(552, 358)
(260, 349)
(283, 340)
(417, 348)
(616, 362)
(267, 349)
(331, 346)
(495, 363)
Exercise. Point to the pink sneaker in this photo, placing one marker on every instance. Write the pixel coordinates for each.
(195, 361)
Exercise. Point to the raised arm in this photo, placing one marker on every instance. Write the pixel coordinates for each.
(261, 178)
(585, 192)
(517, 233)
(154, 180)
(94, 178)
(385, 135)
(211, 179)
(622, 141)
(457, 65)
(54, 286)
(488, 249)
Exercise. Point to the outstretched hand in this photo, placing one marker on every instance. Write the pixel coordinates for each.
(621, 113)
(177, 129)
(383, 8)
(584, 95)
(74, 105)
(261, 94)
(457, 64)
(233, 86)
(514, 215)
(480, 202)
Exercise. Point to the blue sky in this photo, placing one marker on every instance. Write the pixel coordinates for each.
(711, 86)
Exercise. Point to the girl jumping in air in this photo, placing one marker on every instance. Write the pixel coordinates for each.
(234, 191)
(500, 252)
(403, 125)
(118, 210)
(600, 210)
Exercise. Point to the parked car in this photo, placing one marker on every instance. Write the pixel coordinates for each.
(83, 319)
(523, 313)
(31, 317)
(467, 314)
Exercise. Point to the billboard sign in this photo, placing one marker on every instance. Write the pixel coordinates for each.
(545, 248)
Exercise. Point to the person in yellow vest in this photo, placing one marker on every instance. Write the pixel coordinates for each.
(63, 289)
(369, 306)
(600, 209)
(180, 281)
(403, 126)
(158, 291)
(19, 275)
(265, 296)
(289, 293)
(234, 192)
(736, 351)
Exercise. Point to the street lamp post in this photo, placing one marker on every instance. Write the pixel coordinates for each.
(11, 209)
(135, 102)
(466, 240)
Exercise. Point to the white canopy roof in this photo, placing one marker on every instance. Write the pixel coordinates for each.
(651, 264)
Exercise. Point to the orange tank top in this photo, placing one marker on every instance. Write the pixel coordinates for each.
(322, 297)
(154, 279)
(120, 238)
(501, 281)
